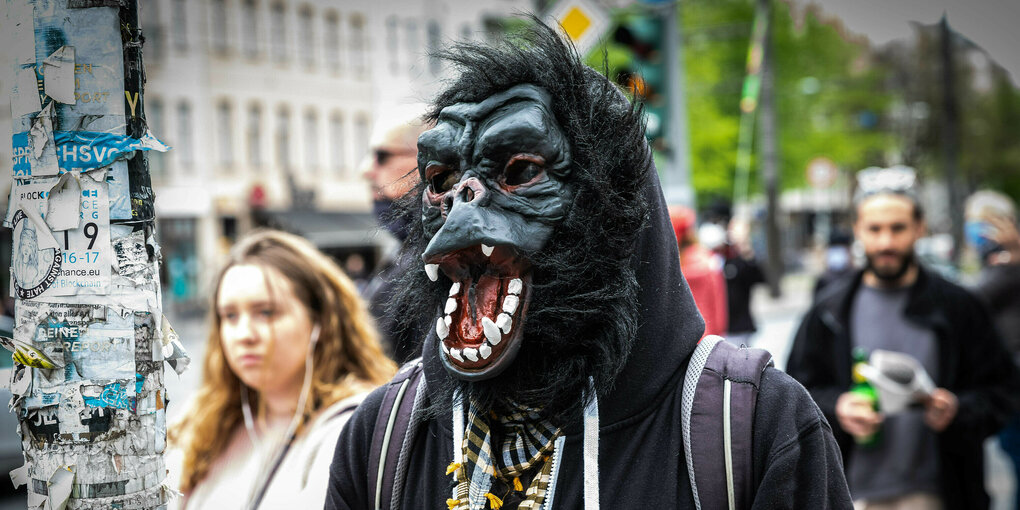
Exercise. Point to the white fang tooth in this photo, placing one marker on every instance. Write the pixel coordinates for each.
(510, 303)
(445, 348)
(485, 351)
(448, 320)
(455, 354)
(487, 250)
(455, 288)
(433, 271)
(471, 353)
(491, 331)
(504, 322)
(515, 286)
(451, 306)
(442, 329)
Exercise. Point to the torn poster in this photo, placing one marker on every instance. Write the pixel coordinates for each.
(81, 263)
(82, 151)
(132, 259)
(19, 28)
(42, 158)
(63, 204)
(25, 93)
(58, 75)
(98, 59)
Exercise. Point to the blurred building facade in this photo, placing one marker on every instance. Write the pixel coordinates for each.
(269, 104)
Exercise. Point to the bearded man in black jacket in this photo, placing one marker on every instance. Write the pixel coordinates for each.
(931, 455)
(558, 314)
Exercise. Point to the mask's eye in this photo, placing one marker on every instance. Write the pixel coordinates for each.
(522, 169)
(442, 178)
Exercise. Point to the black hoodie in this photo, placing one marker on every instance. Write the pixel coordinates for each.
(641, 459)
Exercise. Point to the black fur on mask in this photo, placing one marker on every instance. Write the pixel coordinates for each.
(583, 316)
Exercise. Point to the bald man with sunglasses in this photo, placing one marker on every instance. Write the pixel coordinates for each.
(391, 169)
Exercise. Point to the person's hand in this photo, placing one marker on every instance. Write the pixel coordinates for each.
(1006, 235)
(857, 416)
(940, 409)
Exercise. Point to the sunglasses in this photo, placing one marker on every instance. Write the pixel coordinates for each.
(384, 155)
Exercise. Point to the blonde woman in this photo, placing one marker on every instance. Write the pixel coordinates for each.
(291, 352)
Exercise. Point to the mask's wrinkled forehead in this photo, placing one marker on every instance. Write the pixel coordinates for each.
(519, 118)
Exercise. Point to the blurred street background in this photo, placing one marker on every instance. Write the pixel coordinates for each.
(269, 105)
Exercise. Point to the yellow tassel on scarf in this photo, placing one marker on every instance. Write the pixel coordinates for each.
(494, 502)
(453, 467)
(517, 484)
(452, 503)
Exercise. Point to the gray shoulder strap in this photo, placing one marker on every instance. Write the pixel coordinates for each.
(717, 411)
(697, 363)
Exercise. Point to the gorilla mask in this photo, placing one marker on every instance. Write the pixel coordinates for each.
(496, 188)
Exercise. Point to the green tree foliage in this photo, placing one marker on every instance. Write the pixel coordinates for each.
(835, 96)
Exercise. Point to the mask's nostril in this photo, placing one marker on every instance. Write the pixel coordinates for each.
(468, 194)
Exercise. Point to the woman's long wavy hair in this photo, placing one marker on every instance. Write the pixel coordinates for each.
(348, 358)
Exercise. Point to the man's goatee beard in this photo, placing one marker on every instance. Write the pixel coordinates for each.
(907, 262)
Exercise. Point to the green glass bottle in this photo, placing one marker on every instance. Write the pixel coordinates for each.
(861, 386)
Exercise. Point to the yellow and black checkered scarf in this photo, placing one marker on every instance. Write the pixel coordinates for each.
(525, 451)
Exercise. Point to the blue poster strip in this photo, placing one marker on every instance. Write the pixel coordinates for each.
(81, 151)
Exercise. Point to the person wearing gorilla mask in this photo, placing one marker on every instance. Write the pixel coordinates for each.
(561, 326)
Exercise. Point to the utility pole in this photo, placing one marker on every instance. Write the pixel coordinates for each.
(90, 338)
(770, 164)
(951, 139)
(679, 189)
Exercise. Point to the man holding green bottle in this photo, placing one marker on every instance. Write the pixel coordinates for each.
(929, 456)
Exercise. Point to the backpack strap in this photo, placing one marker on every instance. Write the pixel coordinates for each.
(717, 412)
(393, 430)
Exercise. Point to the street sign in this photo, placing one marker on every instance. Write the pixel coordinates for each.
(583, 22)
(821, 172)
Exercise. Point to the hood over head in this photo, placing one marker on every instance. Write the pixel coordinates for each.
(583, 265)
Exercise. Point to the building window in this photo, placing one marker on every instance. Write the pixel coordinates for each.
(393, 44)
(362, 129)
(278, 32)
(155, 118)
(185, 150)
(311, 135)
(306, 34)
(219, 25)
(434, 34)
(359, 48)
(179, 24)
(225, 134)
(254, 136)
(283, 138)
(250, 28)
(154, 30)
(336, 142)
(332, 42)
(411, 45)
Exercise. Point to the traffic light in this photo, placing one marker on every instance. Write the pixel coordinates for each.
(643, 73)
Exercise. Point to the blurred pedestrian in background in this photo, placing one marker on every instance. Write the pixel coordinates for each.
(702, 270)
(839, 260)
(291, 353)
(742, 273)
(931, 456)
(392, 172)
(991, 230)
